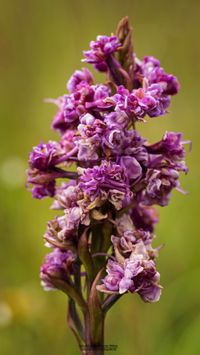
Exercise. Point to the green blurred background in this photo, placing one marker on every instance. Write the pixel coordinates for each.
(41, 43)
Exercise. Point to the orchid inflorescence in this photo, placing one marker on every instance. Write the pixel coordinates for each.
(111, 178)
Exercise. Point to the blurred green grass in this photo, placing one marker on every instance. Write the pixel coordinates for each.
(41, 44)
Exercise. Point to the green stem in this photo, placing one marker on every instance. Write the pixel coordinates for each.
(94, 333)
(74, 323)
(85, 256)
(109, 302)
(71, 291)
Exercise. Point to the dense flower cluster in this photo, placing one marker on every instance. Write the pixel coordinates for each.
(120, 176)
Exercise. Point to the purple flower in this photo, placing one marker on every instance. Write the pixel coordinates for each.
(45, 156)
(115, 273)
(90, 127)
(73, 108)
(100, 138)
(43, 183)
(171, 146)
(129, 239)
(100, 50)
(84, 99)
(112, 140)
(150, 70)
(159, 185)
(144, 217)
(97, 98)
(105, 182)
(59, 123)
(133, 145)
(136, 274)
(57, 267)
(131, 166)
(40, 191)
(149, 101)
(87, 150)
(127, 242)
(132, 268)
(69, 222)
(124, 224)
(80, 78)
(155, 74)
(66, 196)
(155, 102)
(128, 234)
(89, 141)
(117, 118)
(56, 236)
(67, 143)
(62, 231)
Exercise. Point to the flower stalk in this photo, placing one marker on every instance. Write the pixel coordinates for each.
(105, 180)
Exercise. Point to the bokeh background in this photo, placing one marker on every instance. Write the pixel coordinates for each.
(41, 43)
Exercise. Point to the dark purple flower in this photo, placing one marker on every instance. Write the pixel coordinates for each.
(59, 123)
(133, 145)
(57, 267)
(144, 217)
(79, 79)
(41, 184)
(125, 144)
(40, 191)
(99, 138)
(159, 186)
